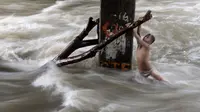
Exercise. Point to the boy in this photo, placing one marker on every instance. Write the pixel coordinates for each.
(142, 55)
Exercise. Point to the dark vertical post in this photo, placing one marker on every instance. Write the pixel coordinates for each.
(114, 16)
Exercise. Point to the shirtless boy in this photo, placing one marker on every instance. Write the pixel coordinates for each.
(142, 55)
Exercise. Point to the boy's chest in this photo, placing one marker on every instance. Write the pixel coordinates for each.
(142, 52)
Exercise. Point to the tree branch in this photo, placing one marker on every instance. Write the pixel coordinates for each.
(75, 44)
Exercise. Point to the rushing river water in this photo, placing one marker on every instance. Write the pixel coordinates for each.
(33, 32)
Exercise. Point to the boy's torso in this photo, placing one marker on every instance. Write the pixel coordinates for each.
(142, 55)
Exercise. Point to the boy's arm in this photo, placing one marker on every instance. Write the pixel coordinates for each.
(138, 30)
(136, 38)
(140, 41)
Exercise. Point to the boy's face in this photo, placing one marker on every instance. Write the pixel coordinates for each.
(148, 39)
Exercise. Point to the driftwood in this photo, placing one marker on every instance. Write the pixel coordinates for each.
(64, 59)
(78, 41)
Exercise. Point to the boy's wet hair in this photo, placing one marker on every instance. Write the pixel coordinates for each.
(152, 37)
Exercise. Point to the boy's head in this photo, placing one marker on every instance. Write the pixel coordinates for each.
(149, 38)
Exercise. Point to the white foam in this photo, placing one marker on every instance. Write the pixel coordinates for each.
(52, 78)
(115, 108)
(21, 27)
(58, 5)
(55, 7)
(84, 100)
(13, 6)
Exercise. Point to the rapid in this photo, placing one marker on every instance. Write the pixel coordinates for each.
(33, 32)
